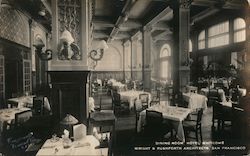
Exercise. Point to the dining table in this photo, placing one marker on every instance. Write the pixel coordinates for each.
(176, 115)
(27, 101)
(84, 146)
(118, 86)
(195, 101)
(221, 93)
(132, 95)
(8, 115)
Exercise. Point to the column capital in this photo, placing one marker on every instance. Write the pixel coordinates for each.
(185, 4)
(147, 28)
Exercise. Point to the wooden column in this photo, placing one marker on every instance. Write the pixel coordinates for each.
(181, 72)
(146, 57)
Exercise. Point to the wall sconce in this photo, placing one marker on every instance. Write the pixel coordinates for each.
(97, 54)
(43, 55)
(69, 50)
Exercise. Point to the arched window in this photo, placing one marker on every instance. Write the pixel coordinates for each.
(165, 54)
(239, 30)
(190, 46)
(218, 35)
(201, 40)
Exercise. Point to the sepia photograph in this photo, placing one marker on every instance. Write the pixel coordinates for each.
(124, 77)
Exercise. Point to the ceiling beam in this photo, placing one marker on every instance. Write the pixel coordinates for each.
(100, 34)
(47, 6)
(163, 38)
(122, 18)
(164, 14)
(163, 34)
(131, 24)
(102, 23)
(204, 2)
(160, 26)
(206, 13)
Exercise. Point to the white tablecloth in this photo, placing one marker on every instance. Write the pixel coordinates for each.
(221, 92)
(27, 101)
(175, 114)
(243, 92)
(226, 103)
(91, 104)
(85, 146)
(132, 95)
(118, 86)
(7, 115)
(195, 101)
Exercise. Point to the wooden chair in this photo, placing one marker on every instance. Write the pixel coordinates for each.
(239, 121)
(144, 98)
(170, 94)
(155, 127)
(194, 126)
(213, 96)
(119, 106)
(12, 104)
(38, 105)
(156, 98)
(138, 108)
(22, 117)
(217, 114)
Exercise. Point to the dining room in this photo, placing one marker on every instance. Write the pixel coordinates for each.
(124, 77)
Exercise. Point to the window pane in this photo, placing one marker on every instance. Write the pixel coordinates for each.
(218, 41)
(201, 35)
(240, 36)
(218, 29)
(239, 23)
(166, 51)
(164, 69)
(190, 46)
(201, 44)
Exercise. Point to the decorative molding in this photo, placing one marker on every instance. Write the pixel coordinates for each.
(69, 13)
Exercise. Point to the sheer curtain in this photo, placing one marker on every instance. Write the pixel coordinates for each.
(165, 62)
(239, 30)
(218, 35)
(201, 40)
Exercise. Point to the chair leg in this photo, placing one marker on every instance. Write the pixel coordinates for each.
(201, 136)
(197, 138)
(213, 122)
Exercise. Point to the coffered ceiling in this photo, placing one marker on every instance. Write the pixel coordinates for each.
(121, 19)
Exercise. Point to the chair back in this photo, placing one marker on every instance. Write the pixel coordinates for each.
(116, 99)
(38, 105)
(22, 117)
(199, 116)
(213, 96)
(217, 109)
(153, 118)
(138, 106)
